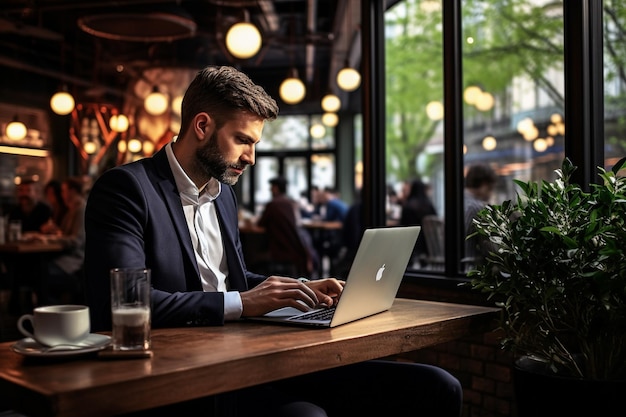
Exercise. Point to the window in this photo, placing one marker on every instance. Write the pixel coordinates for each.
(614, 81)
(512, 97)
(297, 147)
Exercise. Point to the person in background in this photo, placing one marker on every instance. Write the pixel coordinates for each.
(336, 209)
(176, 213)
(52, 194)
(30, 210)
(305, 206)
(280, 218)
(415, 207)
(480, 182)
(64, 281)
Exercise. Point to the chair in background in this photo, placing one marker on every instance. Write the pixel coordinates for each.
(433, 230)
(434, 233)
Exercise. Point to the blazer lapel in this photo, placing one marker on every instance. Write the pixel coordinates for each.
(171, 198)
(227, 215)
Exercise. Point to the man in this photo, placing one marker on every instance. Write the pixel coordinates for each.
(288, 246)
(480, 181)
(64, 283)
(176, 213)
(30, 210)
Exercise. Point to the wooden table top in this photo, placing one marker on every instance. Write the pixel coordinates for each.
(31, 246)
(251, 227)
(225, 358)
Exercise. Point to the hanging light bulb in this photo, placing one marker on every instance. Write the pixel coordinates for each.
(292, 89)
(471, 94)
(243, 39)
(489, 143)
(148, 147)
(330, 119)
(134, 145)
(118, 123)
(177, 105)
(121, 146)
(62, 102)
(156, 102)
(331, 103)
(16, 130)
(317, 131)
(348, 79)
(434, 110)
(90, 147)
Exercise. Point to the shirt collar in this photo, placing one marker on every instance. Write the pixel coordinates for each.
(211, 190)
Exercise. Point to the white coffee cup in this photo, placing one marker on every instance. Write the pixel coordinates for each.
(57, 324)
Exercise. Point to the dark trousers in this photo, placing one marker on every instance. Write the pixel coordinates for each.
(373, 388)
(380, 388)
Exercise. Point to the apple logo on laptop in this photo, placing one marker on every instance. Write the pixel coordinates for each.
(379, 274)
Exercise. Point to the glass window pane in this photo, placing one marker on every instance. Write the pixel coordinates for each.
(323, 137)
(296, 175)
(614, 81)
(414, 125)
(323, 170)
(286, 132)
(513, 96)
(265, 169)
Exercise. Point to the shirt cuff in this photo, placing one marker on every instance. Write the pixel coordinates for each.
(233, 308)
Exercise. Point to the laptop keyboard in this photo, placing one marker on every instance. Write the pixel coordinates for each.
(324, 314)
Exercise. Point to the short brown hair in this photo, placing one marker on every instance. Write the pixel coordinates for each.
(480, 174)
(221, 91)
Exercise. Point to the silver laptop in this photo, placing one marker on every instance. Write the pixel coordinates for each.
(372, 283)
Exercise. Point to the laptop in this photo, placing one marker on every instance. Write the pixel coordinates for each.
(372, 283)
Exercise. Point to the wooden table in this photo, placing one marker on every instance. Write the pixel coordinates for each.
(25, 247)
(27, 263)
(225, 358)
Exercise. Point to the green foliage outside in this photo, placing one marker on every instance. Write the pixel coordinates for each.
(521, 39)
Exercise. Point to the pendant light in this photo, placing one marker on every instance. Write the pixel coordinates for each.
(16, 130)
(62, 102)
(330, 119)
(156, 102)
(119, 123)
(317, 131)
(348, 79)
(331, 103)
(292, 89)
(243, 39)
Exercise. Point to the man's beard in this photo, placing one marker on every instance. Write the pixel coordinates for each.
(211, 161)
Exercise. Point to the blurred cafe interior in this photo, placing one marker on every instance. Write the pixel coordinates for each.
(437, 86)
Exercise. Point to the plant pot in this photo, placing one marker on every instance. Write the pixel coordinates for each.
(540, 392)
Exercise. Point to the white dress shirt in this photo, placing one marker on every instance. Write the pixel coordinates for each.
(206, 236)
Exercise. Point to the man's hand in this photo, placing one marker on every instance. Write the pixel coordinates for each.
(276, 292)
(327, 290)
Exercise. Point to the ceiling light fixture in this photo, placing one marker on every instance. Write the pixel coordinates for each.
(156, 102)
(331, 103)
(292, 89)
(243, 39)
(317, 131)
(348, 79)
(434, 110)
(62, 102)
(119, 123)
(330, 119)
(16, 130)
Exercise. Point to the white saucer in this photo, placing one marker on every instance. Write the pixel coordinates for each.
(93, 343)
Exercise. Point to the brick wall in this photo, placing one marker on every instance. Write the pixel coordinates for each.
(478, 362)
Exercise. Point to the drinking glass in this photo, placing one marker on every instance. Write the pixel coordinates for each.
(130, 308)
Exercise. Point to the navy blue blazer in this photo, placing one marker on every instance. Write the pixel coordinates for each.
(134, 218)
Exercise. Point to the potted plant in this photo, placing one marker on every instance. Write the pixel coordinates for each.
(558, 271)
